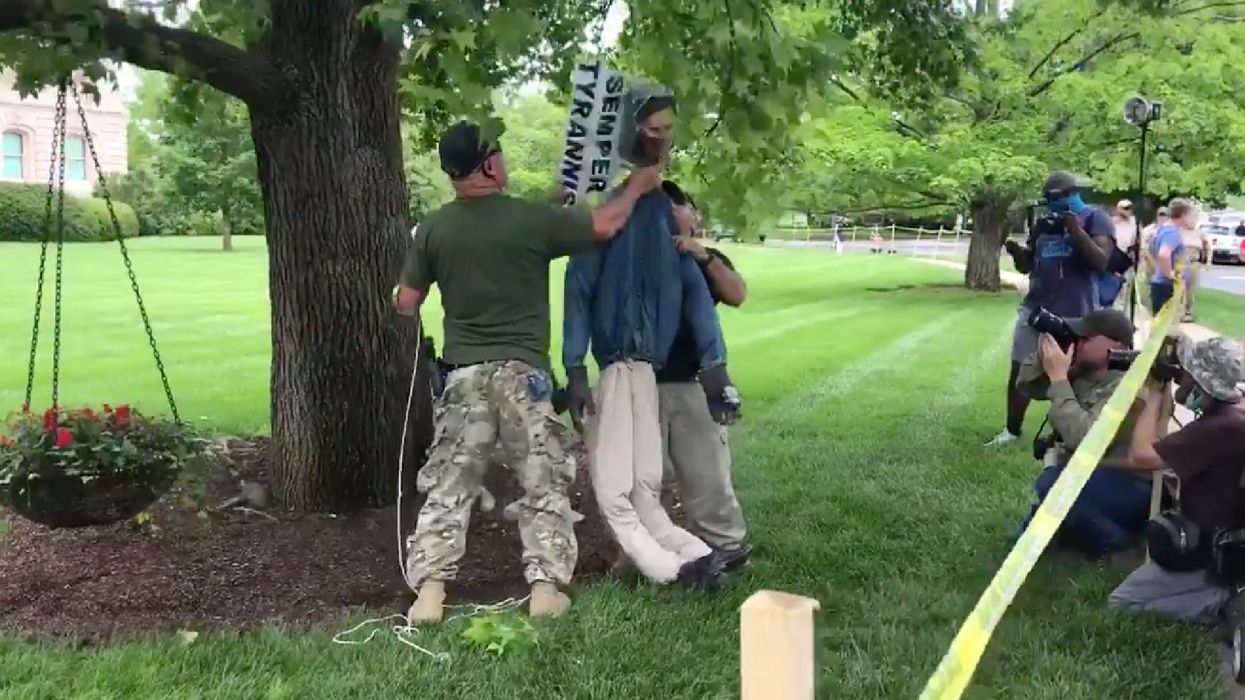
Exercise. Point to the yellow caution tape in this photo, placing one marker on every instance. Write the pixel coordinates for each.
(961, 659)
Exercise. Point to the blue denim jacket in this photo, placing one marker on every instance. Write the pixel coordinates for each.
(628, 296)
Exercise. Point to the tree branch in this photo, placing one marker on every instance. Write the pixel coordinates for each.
(906, 206)
(1083, 61)
(1064, 42)
(143, 41)
(1208, 6)
(838, 83)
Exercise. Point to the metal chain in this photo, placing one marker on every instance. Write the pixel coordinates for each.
(58, 137)
(60, 254)
(125, 253)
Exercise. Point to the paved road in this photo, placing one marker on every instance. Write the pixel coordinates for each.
(1226, 278)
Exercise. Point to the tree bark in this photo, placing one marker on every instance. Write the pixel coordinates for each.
(226, 231)
(989, 216)
(335, 207)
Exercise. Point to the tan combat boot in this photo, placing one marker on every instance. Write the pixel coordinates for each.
(548, 601)
(429, 606)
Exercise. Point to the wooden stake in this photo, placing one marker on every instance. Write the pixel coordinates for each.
(776, 645)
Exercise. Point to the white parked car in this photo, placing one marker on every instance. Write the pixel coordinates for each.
(1225, 245)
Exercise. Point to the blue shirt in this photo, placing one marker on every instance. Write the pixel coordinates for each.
(628, 297)
(1167, 235)
(1061, 281)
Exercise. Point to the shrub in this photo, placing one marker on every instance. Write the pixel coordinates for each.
(23, 212)
(125, 216)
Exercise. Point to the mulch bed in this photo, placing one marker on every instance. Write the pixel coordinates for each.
(233, 570)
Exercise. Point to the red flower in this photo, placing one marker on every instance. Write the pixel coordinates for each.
(122, 414)
(64, 436)
(50, 420)
(107, 408)
(6, 441)
(90, 415)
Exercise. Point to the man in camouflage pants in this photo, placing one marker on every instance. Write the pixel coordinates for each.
(489, 254)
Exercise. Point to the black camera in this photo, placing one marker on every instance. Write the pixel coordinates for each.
(1166, 366)
(1046, 322)
(1043, 444)
(1043, 221)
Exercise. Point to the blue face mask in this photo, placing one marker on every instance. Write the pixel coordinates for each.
(1195, 401)
(1070, 203)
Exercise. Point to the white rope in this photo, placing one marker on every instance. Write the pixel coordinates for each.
(403, 633)
(406, 422)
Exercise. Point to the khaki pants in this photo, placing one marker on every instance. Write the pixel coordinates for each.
(698, 456)
(1192, 277)
(626, 468)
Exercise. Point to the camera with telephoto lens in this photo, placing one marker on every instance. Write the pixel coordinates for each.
(1166, 366)
(1046, 322)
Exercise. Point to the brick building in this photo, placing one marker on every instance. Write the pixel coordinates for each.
(26, 137)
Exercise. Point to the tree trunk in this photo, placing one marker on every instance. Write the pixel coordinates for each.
(989, 216)
(226, 231)
(335, 207)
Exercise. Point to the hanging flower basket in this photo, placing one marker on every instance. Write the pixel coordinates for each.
(81, 468)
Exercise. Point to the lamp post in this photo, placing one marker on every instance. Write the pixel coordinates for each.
(1140, 112)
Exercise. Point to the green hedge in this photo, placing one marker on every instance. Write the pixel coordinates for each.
(23, 210)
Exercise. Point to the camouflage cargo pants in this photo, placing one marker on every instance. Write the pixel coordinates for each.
(502, 405)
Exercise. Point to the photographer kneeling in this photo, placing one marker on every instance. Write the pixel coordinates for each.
(1110, 513)
(1208, 456)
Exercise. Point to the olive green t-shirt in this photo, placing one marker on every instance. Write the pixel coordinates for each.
(490, 258)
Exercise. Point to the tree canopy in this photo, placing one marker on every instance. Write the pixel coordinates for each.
(1044, 90)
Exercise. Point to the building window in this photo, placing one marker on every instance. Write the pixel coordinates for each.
(75, 159)
(14, 148)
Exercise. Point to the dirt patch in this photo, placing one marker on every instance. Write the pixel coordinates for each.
(918, 288)
(185, 570)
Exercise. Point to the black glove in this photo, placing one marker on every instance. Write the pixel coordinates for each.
(579, 396)
(723, 397)
(560, 398)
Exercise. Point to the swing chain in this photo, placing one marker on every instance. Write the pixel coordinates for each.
(56, 191)
(125, 253)
(58, 138)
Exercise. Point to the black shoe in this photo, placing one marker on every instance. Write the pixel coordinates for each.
(734, 557)
(704, 573)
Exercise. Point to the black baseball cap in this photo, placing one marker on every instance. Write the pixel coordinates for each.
(465, 146)
(1062, 181)
(1110, 323)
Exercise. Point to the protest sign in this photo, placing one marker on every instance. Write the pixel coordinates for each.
(590, 159)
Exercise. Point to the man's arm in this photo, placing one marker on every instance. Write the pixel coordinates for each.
(1164, 260)
(580, 289)
(416, 276)
(700, 315)
(726, 284)
(1142, 455)
(1094, 249)
(1067, 416)
(609, 217)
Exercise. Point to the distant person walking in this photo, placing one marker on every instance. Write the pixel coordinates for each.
(1118, 287)
(1167, 250)
(1145, 266)
(1197, 255)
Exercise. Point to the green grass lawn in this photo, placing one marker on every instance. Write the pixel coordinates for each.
(859, 465)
